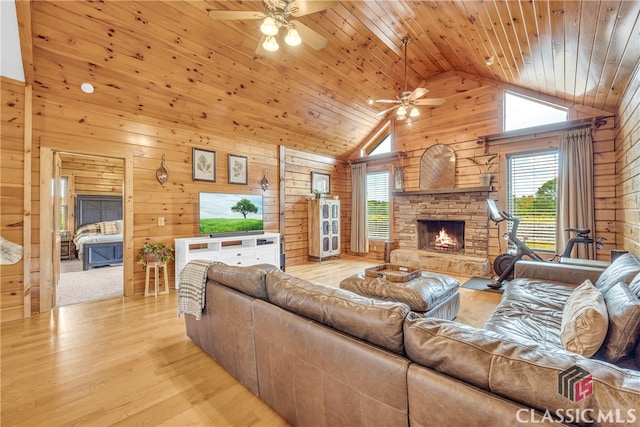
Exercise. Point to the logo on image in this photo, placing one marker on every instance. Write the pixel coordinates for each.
(575, 383)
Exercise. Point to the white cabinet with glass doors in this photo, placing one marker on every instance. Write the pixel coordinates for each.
(324, 228)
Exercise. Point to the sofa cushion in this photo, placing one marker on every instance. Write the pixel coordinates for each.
(635, 285)
(248, 280)
(584, 320)
(624, 269)
(623, 308)
(516, 369)
(556, 272)
(378, 322)
(531, 309)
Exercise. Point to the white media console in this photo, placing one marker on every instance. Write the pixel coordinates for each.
(233, 250)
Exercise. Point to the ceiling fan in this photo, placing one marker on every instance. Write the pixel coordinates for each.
(407, 100)
(276, 16)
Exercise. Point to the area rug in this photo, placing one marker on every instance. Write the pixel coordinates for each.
(91, 285)
(480, 284)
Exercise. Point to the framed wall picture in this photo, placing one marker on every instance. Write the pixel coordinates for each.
(321, 182)
(238, 169)
(204, 165)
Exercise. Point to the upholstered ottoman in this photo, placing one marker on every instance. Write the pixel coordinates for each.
(431, 294)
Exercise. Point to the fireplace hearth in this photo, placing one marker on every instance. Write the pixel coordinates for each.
(441, 235)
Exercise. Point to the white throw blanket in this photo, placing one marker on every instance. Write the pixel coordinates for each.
(191, 295)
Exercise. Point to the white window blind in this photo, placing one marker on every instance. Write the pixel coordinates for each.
(378, 205)
(532, 190)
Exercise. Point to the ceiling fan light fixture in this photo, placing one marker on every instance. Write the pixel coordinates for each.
(402, 111)
(270, 44)
(269, 26)
(293, 38)
(414, 112)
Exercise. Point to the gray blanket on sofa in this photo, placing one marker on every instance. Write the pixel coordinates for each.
(191, 294)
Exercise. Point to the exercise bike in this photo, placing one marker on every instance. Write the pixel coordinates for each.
(504, 264)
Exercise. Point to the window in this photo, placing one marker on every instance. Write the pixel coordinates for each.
(532, 189)
(383, 147)
(522, 112)
(382, 142)
(378, 205)
(64, 208)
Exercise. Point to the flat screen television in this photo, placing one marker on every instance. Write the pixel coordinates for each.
(224, 214)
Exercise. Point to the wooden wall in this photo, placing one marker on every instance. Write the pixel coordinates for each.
(297, 175)
(73, 124)
(12, 214)
(90, 175)
(628, 168)
(472, 110)
(77, 126)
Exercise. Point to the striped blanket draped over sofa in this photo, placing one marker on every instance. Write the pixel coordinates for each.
(191, 294)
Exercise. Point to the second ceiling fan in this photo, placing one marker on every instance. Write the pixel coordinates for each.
(407, 100)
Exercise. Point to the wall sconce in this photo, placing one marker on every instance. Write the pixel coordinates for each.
(265, 180)
(162, 173)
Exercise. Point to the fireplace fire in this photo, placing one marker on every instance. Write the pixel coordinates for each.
(441, 235)
(445, 242)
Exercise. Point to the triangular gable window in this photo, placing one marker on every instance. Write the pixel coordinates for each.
(523, 112)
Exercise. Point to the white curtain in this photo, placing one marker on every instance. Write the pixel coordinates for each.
(575, 187)
(359, 238)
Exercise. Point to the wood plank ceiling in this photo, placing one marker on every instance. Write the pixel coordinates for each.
(170, 61)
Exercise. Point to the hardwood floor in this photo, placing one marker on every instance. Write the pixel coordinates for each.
(128, 361)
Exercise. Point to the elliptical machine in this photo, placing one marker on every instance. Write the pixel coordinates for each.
(504, 264)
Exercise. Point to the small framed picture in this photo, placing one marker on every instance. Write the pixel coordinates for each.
(204, 165)
(321, 182)
(238, 169)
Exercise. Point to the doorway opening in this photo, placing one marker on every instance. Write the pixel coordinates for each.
(90, 220)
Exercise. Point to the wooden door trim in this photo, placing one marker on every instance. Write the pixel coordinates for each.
(47, 147)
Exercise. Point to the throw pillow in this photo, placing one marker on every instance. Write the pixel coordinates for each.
(584, 320)
(623, 308)
(623, 269)
(108, 227)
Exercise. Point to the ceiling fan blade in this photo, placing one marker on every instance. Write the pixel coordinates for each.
(382, 113)
(223, 15)
(309, 7)
(429, 101)
(387, 101)
(259, 49)
(418, 93)
(309, 36)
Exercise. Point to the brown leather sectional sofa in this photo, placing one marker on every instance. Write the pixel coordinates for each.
(322, 356)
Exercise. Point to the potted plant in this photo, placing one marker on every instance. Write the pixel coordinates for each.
(485, 167)
(316, 193)
(154, 252)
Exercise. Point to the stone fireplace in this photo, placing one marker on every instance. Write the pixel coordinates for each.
(441, 235)
(419, 216)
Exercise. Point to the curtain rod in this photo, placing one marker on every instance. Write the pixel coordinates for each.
(568, 125)
(375, 158)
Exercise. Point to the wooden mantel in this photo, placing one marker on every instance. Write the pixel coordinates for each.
(443, 191)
